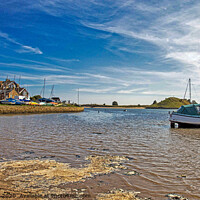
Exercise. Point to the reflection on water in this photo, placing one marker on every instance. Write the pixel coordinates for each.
(168, 160)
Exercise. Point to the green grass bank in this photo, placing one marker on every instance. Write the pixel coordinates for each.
(171, 102)
(27, 109)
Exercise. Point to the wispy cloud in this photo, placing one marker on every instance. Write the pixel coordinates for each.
(172, 30)
(131, 91)
(29, 66)
(176, 32)
(98, 76)
(97, 90)
(64, 60)
(162, 93)
(28, 49)
(160, 38)
(40, 66)
(22, 48)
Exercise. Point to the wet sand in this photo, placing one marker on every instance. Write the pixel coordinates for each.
(43, 179)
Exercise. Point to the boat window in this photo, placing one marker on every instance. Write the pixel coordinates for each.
(198, 108)
(179, 109)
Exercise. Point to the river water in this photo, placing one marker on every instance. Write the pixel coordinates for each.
(167, 160)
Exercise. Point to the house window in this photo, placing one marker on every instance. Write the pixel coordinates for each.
(24, 93)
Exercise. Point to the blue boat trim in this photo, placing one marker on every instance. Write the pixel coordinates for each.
(185, 115)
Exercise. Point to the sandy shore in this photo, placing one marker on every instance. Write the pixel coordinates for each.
(27, 109)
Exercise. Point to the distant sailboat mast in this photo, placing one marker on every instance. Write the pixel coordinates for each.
(52, 94)
(4, 91)
(19, 83)
(190, 93)
(43, 89)
(190, 90)
(78, 96)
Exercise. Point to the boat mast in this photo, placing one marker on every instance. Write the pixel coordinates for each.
(19, 83)
(190, 90)
(44, 88)
(51, 95)
(4, 87)
(78, 96)
(185, 91)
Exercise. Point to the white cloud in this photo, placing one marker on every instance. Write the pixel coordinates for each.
(173, 31)
(99, 76)
(22, 48)
(163, 93)
(188, 57)
(166, 30)
(131, 91)
(28, 49)
(64, 60)
(29, 66)
(97, 90)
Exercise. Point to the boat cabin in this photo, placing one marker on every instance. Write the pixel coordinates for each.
(192, 109)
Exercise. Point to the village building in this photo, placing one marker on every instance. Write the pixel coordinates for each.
(10, 89)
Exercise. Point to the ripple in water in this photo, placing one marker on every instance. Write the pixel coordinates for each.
(168, 161)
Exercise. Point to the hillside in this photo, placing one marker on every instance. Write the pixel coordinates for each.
(171, 102)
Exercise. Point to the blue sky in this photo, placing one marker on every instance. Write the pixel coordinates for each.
(131, 51)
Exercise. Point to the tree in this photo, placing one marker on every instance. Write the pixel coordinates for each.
(154, 102)
(114, 103)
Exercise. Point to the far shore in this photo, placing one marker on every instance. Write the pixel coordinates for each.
(27, 109)
(116, 107)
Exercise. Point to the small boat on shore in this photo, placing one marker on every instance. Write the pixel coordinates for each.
(9, 101)
(186, 116)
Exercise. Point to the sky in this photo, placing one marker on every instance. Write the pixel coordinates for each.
(129, 51)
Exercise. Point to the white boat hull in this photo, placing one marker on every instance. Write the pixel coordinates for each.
(184, 119)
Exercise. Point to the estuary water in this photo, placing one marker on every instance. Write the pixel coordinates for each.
(166, 160)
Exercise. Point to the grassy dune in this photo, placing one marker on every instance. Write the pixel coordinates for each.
(27, 109)
(171, 102)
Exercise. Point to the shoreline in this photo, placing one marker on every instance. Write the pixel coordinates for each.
(124, 107)
(27, 109)
(115, 107)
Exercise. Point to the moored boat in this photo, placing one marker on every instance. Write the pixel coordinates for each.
(9, 101)
(186, 116)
